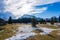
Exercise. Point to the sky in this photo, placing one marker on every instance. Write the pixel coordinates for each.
(38, 8)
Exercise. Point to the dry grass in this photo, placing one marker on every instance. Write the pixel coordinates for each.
(46, 37)
(8, 31)
(48, 26)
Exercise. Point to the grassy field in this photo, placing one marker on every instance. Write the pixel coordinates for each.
(11, 29)
(48, 26)
(8, 31)
(47, 37)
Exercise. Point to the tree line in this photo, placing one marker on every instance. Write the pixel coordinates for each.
(32, 20)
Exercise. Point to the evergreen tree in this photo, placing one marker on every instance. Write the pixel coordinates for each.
(10, 20)
(34, 22)
(59, 18)
(41, 21)
(45, 21)
(52, 21)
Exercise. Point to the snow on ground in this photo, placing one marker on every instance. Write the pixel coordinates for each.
(58, 33)
(46, 30)
(26, 32)
(1, 30)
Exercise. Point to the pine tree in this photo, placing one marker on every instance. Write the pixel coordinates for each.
(45, 21)
(10, 20)
(52, 21)
(59, 18)
(34, 22)
(41, 21)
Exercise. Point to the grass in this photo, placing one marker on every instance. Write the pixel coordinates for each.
(8, 31)
(48, 26)
(11, 29)
(46, 37)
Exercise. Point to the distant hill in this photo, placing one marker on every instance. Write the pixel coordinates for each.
(29, 16)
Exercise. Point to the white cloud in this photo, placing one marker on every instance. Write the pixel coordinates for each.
(21, 7)
(42, 2)
(35, 10)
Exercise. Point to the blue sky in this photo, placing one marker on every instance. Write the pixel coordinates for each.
(38, 8)
(52, 10)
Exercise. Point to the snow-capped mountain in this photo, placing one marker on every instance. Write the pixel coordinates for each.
(27, 16)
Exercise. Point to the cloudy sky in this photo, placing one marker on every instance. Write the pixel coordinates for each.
(39, 8)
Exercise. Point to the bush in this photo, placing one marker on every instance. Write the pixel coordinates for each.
(2, 22)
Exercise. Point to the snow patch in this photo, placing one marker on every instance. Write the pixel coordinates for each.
(26, 32)
(58, 32)
(21, 36)
(25, 29)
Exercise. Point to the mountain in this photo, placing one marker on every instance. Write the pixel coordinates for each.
(27, 16)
